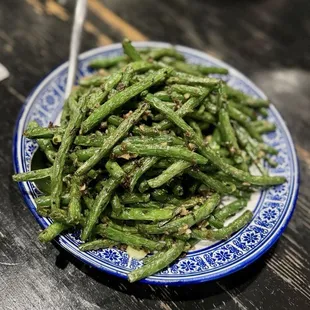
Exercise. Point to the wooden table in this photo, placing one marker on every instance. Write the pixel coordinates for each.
(267, 40)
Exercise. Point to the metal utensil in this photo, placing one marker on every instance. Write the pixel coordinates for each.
(76, 36)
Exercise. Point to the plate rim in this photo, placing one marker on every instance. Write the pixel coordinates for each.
(150, 280)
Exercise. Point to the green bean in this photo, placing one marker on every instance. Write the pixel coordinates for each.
(177, 98)
(117, 207)
(67, 140)
(130, 51)
(159, 151)
(188, 203)
(239, 174)
(69, 104)
(135, 67)
(201, 109)
(121, 98)
(160, 195)
(90, 140)
(220, 187)
(216, 136)
(32, 175)
(251, 113)
(227, 131)
(186, 108)
(115, 91)
(242, 135)
(94, 98)
(145, 214)
(151, 204)
(252, 148)
(251, 152)
(184, 222)
(74, 209)
(265, 128)
(65, 113)
(196, 127)
(123, 228)
(162, 139)
(164, 163)
(171, 115)
(112, 139)
(163, 95)
(185, 67)
(143, 165)
(93, 80)
(229, 136)
(230, 209)
(84, 154)
(88, 202)
(204, 117)
(97, 244)
(109, 84)
(44, 210)
(134, 240)
(52, 231)
(128, 198)
(245, 99)
(110, 129)
(186, 79)
(263, 112)
(44, 133)
(127, 167)
(114, 169)
(100, 203)
(159, 262)
(60, 216)
(219, 98)
(46, 200)
(244, 120)
(150, 259)
(245, 138)
(198, 69)
(45, 145)
(168, 174)
(224, 232)
(246, 194)
(142, 130)
(57, 139)
(107, 62)
(195, 91)
(214, 222)
(271, 162)
(143, 186)
(161, 52)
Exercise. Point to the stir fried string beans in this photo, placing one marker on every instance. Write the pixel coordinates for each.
(112, 139)
(146, 152)
(121, 98)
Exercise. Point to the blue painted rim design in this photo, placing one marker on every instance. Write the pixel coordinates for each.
(29, 192)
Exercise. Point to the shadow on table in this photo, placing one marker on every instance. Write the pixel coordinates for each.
(237, 282)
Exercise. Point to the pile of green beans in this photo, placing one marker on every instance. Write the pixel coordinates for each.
(146, 149)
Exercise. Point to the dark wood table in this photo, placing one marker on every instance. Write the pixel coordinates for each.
(268, 40)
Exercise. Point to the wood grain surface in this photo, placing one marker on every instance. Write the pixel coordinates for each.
(268, 40)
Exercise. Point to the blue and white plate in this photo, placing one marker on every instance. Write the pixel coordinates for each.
(272, 208)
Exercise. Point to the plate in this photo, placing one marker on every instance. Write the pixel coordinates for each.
(272, 208)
